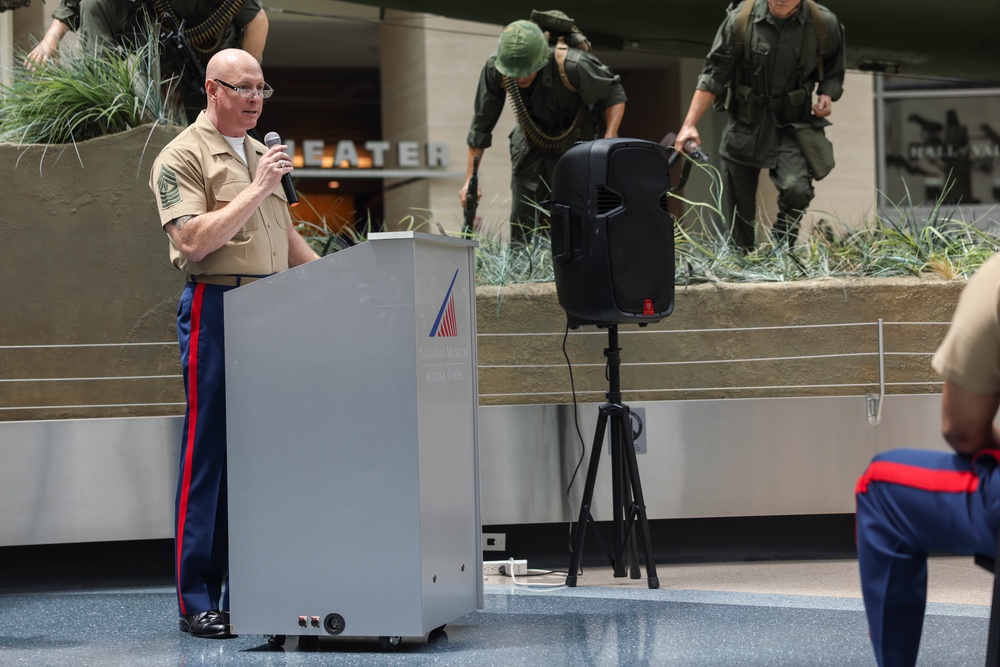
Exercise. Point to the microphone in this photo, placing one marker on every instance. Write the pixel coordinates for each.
(272, 139)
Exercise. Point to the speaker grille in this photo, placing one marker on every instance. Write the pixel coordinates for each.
(608, 201)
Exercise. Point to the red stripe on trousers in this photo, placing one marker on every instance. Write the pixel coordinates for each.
(196, 304)
(941, 481)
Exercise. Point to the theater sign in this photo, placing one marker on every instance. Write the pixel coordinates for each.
(316, 158)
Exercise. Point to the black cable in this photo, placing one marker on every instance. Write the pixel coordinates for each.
(579, 436)
(502, 570)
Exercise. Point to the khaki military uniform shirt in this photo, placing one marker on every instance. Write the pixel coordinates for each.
(784, 57)
(969, 356)
(199, 172)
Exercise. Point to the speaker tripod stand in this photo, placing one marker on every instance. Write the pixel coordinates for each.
(629, 508)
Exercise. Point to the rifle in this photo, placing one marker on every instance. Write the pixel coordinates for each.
(471, 198)
(185, 59)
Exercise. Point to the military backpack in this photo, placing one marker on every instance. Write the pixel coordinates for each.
(562, 34)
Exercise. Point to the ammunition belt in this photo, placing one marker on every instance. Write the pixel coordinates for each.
(547, 142)
(205, 37)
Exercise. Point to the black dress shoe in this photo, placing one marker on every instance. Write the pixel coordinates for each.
(207, 625)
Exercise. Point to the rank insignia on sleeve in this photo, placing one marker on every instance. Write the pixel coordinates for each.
(170, 192)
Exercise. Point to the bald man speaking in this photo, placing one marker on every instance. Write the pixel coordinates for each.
(220, 202)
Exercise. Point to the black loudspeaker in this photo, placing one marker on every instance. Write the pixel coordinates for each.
(612, 235)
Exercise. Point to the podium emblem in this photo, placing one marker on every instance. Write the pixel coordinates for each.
(446, 323)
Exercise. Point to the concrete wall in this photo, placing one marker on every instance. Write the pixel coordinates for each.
(404, 104)
(89, 288)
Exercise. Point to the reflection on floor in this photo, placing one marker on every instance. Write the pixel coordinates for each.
(783, 613)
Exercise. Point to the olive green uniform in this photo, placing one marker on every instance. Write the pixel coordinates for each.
(120, 21)
(773, 83)
(553, 108)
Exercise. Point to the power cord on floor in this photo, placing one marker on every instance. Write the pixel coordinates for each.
(531, 573)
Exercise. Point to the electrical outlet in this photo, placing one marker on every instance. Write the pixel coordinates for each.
(494, 541)
(492, 567)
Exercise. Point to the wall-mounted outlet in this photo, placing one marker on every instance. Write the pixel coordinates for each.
(494, 541)
(493, 567)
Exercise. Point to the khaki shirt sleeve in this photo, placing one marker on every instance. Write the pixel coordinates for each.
(178, 182)
(969, 356)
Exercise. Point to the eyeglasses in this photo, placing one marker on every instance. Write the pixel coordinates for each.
(263, 93)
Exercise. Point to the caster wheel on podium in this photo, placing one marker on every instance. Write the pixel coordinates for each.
(388, 643)
(275, 641)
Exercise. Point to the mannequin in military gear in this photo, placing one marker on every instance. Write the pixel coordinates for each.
(551, 116)
(769, 87)
(122, 22)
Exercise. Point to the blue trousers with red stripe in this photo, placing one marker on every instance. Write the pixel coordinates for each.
(202, 515)
(910, 503)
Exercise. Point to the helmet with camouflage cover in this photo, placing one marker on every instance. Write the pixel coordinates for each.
(522, 51)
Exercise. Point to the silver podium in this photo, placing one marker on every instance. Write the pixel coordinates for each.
(353, 460)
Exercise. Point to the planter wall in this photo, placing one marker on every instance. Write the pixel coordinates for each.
(90, 294)
(89, 289)
(722, 341)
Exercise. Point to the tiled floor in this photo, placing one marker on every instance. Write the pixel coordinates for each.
(951, 580)
(760, 613)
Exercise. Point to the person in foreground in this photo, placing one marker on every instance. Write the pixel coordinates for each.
(912, 502)
(220, 202)
(767, 61)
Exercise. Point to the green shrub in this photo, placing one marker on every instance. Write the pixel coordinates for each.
(903, 240)
(87, 94)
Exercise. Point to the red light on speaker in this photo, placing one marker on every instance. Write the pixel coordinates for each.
(647, 307)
